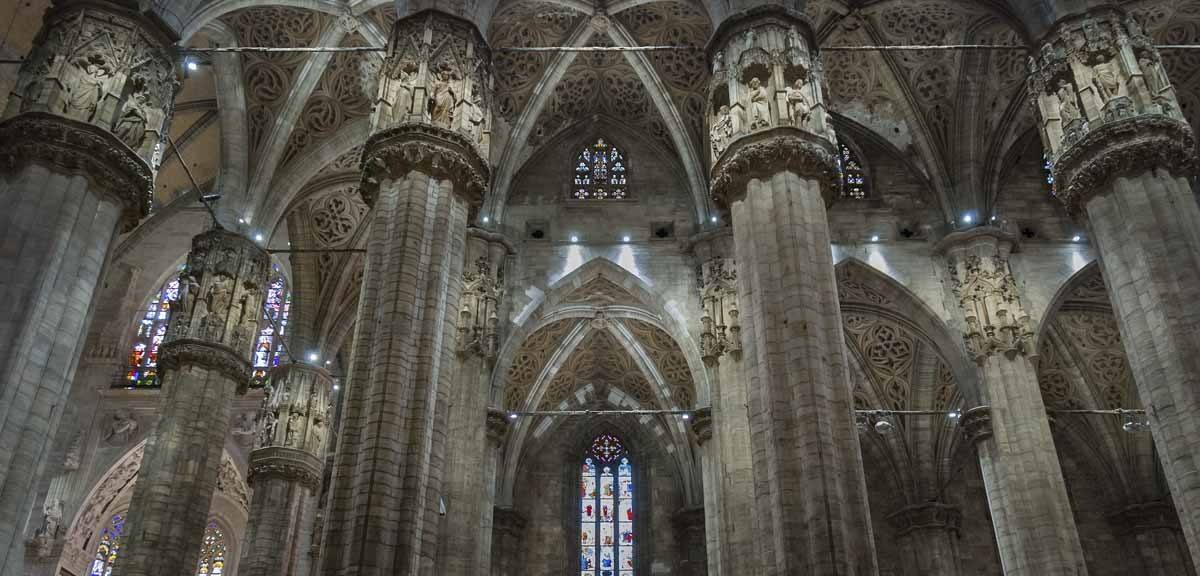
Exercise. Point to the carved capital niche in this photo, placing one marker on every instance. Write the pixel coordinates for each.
(220, 301)
(982, 282)
(497, 427)
(926, 516)
(289, 464)
(702, 425)
(438, 71)
(769, 152)
(976, 424)
(77, 148)
(1105, 105)
(437, 152)
(106, 66)
(720, 329)
(765, 74)
(297, 411)
(482, 289)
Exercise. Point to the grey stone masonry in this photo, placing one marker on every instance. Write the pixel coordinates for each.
(1153, 538)
(928, 536)
(773, 168)
(1035, 530)
(77, 146)
(1121, 165)
(204, 361)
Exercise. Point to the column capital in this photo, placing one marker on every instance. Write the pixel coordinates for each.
(1105, 104)
(497, 426)
(926, 516)
(702, 425)
(480, 298)
(433, 109)
(976, 424)
(291, 464)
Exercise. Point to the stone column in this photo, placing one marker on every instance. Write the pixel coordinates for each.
(1035, 529)
(690, 541)
(1122, 153)
(775, 171)
(78, 145)
(497, 433)
(285, 470)
(203, 362)
(1151, 535)
(724, 432)
(508, 527)
(424, 170)
(928, 538)
(470, 464)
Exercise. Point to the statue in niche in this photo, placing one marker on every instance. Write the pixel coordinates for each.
(35, 92)
(121, 429)
(718, 63)
(86, 87)
(760, 112)
(441, 99)
(721, 131)
(293, 430)
(52, 516)
(1106, 81)
(266, 428)
(475, 116)
(798, 105)
(131, 127)
(1156, 80)
(404, 95)
(1068, 106)
(220, 294)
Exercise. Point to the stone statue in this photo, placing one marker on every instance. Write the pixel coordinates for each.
(121, 429)
(86, 87)
(404, 96)
(220, 294)
(293, 430)
(266, 428)
(798, 104)
(1068, 107)
(760, 112)
(52, 515)
(1156, 81)
(721, 131)
(441, 100)
(475, 117)
(131, 128)
(243, 430)
(1106, 80)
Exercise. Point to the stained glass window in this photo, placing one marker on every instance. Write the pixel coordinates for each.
(606, 509)
(854, 180)
(110, 544)
(212, 553)
(1048, 165)
(269, 346)
(143, 355)
(600, 173)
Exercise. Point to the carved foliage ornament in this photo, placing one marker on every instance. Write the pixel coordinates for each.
(983, 283)
(767, 153)
(104, 67)
(438, 152)
(720, 329)
(1105, 104)
(478, 315)
(215, 320)
(286, 463)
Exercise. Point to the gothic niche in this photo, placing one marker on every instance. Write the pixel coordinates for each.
(720, 331)
(438, 72)
(478, 318)
(763, 78)
(103, 69)
(1095, 71)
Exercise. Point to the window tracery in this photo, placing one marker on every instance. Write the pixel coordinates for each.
(600, 173)
(212, 552)
(854, 179)
(606, 509)
(143, 355)
(268, 347)
(110, 543)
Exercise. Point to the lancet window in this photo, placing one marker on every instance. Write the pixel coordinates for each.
(854, 179)
(268, 348)
(212, 552)
(600, 173)
(142, 371)
(606, 509)
(110, 543)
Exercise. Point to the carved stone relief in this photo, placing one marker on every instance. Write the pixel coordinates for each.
(482, 290)
(720, 329)
(532, 357)
(982, 282)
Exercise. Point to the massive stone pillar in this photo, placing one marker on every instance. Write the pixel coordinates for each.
(1152, 538)
(775, 172)
(203, 362)
(927, 538)
(724, 432)
(1035, 529)
(78, 149)
(1112, 126)
(508, 529)
(424, 167)
(285, 470)
(469, 486)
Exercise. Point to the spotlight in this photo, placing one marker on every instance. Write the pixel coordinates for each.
(954, 416)
(328, 362)
(993, 218)
(574, 239)
(210, 197)
(884, 426)
(485, 219)
(312, 356)
(875, 238)
(625, 239)
(687, 416)
(1133, 422)
(512, 416)
(191, 65)
(241, 220)
(258, 237)
(714, 219)
(967, 219)
(336, 387)
(1076, 238)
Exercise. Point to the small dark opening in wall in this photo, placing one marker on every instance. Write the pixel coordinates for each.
(662, 229)
(536, 229)
(906, 232)
(1029, 232)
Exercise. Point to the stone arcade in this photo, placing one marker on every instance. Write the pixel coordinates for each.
(608, 288)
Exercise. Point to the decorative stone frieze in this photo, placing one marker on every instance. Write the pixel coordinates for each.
(720, 330)
(983, 284)
(702, 425)
(1105, 105)
(290, 464)
(766, 76)
(297, 411)
(107, 66)
(478, 319)
(976, 424)
(433, 110)
(927, 515)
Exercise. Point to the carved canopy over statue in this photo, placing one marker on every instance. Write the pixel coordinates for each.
(438, 72)
(104, 68)
(765, 75)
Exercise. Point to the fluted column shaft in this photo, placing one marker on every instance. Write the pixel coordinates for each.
(928, 538)
(1035, 529)
(76, 145)
(204, 361)
(1122, 152)
(775, 171)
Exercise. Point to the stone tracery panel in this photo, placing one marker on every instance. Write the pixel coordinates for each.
(532, 357)
(599, 361)
(526, 24)
(338, 99)
(669, 359)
